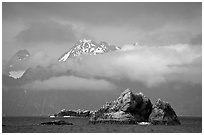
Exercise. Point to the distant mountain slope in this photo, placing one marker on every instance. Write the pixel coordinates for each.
(88, 47)
(18, 64)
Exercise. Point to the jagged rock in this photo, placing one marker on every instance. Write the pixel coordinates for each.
(75, 113)
(85, 113)
(56, 122)
(163, 114)
(128, 107)
(136, 104)
(66, 113)
(113, 121)
(119, 115)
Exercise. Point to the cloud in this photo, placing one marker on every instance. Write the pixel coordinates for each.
(48, 31)
(140, 14)
(40, 59)
(119, 23)
(166, 34)
(149, 65)
(70, 83)
(197, 40)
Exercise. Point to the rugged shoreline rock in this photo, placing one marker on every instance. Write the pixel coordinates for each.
(73, 113)
(128, 108)
(163, 114)
(135, 108)
(113, 121)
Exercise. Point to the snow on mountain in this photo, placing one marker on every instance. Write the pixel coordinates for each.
(88, 47)
(16, 74)
(18, 64)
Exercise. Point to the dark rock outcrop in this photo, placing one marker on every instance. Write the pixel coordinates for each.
(163, 114)
(113, 121)
(74, 113)
(56, 122)
(128, 108)
(136, 104)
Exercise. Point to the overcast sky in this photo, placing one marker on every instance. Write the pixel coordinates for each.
(167, 66)
(55, 27)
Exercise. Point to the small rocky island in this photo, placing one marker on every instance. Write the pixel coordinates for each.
(73, 113)
(135, 108)
(128, 108)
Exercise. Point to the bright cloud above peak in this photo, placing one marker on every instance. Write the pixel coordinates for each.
(151, 65)
(147, 64)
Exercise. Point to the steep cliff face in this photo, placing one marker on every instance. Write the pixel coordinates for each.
(128, 107)
(163, 114)
(135, 108)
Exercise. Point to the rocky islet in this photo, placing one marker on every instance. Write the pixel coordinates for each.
(128, 108)
(132, 108)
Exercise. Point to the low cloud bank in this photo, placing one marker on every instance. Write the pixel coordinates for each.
(151, 65)
(69, 83)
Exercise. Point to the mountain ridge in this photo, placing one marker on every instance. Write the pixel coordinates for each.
(88, 47)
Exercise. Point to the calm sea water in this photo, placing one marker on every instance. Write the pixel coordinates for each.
(81, 125)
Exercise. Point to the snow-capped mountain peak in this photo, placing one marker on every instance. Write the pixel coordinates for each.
(88, 47)
(17, 64)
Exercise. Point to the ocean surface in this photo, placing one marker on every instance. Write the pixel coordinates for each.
(81, 125)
